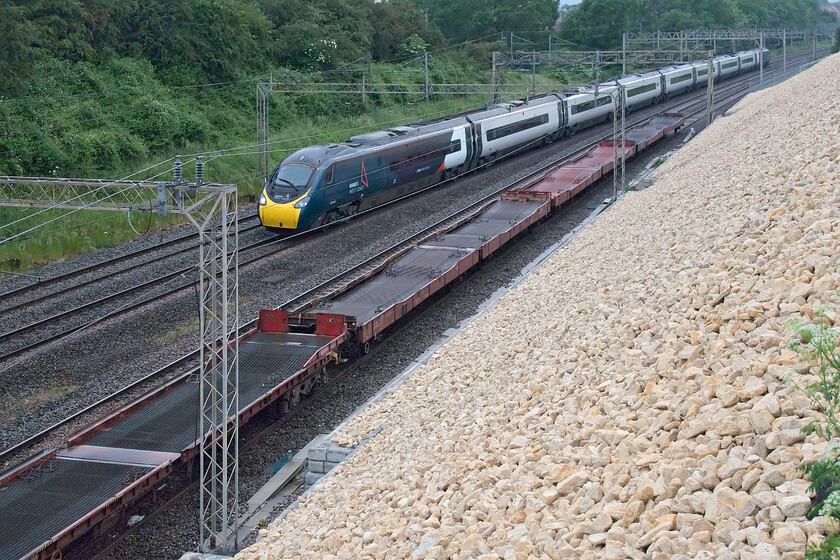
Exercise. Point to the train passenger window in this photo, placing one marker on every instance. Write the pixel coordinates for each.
(641, 89)
(513, 128)
(683, 78)
(329, 176)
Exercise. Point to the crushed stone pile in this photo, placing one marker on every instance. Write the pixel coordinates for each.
(627, 400)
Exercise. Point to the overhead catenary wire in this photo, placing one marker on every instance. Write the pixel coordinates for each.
(86, 193)
(58, 206)
(232, 151)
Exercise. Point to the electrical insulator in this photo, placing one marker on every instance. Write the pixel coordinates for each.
(177, 169)
(199, 170)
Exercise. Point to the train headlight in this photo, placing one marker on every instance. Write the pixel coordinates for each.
(262, 199)
(303, 202)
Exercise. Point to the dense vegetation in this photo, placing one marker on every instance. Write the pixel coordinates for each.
(599, 24)
(102, 86)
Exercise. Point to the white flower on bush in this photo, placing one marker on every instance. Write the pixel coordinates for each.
(831, 506)
(320, 52)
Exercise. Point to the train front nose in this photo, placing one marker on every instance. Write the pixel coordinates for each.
(281, 215)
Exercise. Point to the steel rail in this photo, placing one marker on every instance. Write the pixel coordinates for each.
(42, 282)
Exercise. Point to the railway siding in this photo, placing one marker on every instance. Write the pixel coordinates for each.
(626, 400)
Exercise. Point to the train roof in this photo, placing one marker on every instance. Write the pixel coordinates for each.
(675, 67)
(603, 88)
(390, 135)
(642, 75)
(319, 153)
(509, 107)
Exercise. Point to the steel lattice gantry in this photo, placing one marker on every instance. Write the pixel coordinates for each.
(619, 96)
(212, 209)
(700, 39)
(589, 59)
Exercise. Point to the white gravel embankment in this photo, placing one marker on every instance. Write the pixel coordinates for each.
(625, 401)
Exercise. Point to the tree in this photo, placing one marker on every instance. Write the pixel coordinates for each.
(17, 50)
(470, 19)
(599, 24)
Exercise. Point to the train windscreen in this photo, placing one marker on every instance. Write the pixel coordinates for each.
(289, 181)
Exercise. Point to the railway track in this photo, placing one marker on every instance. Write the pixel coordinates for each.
(42, 283)
(726, 94)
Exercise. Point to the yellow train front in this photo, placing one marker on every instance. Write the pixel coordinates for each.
(286, 203)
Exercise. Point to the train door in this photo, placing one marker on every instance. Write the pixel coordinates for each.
(562, 117)
(663, 89)
(478, 144)
(469, 140)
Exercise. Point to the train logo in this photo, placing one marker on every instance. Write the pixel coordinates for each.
(364, 175)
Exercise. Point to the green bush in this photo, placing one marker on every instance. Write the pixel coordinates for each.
(819, 344)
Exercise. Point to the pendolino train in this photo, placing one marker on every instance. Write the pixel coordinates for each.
(328, 182)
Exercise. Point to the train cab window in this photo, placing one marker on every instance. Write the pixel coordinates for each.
(454, 147)
(289, 180)
(328, 177)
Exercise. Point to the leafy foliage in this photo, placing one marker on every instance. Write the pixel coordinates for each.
(469, 19)
(819, 344)
(599, 24)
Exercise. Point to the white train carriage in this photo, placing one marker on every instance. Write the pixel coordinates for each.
(728, 65)
(505, 127)
(748, 60)
(678, 79)
(584, 109)
(641, 89)
(701, 73)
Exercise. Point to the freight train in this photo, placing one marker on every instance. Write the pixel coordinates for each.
(324, 183)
